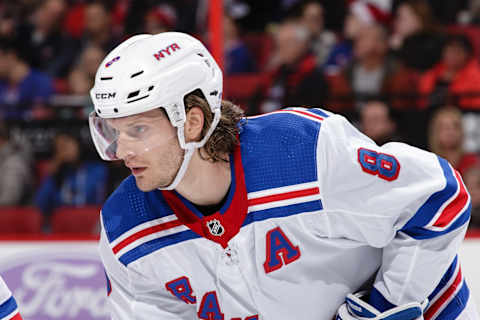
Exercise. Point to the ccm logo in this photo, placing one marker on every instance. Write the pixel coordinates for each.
(107, 95)
(167, 51)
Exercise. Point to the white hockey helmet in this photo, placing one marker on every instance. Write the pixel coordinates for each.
(151, 71)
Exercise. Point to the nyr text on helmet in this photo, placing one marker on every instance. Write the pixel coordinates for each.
(163, 53)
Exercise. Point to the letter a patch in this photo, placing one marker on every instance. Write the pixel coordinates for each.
(209, 308)
(280, 250)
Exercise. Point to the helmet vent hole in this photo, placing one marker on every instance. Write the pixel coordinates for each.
(106, 78)
(138, 99)
(136, 74)
(133, 94)
(201, 55)
(207, 62)
(150, 88)
(115, 110)
(99, 111)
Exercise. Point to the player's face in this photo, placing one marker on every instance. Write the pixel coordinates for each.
(449, 131)
(148, 145)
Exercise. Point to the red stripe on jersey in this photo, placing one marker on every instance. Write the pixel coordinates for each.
(308, 114)
(451, 211)
(445, 296)
(145, 232)
(17, 317)
(284, 196)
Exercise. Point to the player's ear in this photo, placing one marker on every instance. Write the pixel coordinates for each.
(194, 124)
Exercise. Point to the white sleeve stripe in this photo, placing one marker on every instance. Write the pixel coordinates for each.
(273, 191)
(145, 238)
(141, 227)
(283, 203)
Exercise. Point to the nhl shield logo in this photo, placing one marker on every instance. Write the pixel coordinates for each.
(215, 227)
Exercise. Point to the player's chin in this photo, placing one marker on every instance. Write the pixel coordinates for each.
(145, 185)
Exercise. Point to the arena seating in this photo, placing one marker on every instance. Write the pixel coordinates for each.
(76, 220)
(20, 220)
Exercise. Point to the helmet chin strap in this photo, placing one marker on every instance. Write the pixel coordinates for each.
(181, 172)
(189, 149)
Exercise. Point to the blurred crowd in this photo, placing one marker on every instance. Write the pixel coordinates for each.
(404, 71)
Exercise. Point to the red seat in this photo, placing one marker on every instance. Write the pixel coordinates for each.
(240, 88)
(20, 220)
(84, 220)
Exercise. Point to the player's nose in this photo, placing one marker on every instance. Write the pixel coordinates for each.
(124, 151)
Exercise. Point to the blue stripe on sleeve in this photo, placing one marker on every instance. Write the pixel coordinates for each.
(156, 244)
(414, 227)
(8, 307)
(285, 211)
(378, 301)
(421, 233)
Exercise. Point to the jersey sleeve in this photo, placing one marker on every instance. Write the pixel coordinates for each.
(8, 305)
(131, 295)
(410, 203)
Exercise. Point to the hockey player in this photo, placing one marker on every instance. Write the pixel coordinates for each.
(8, 305)
(278, 216)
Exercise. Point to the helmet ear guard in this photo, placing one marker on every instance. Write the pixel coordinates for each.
(151, 71)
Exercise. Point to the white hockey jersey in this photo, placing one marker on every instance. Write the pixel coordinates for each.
(315, 211)
(8, 305)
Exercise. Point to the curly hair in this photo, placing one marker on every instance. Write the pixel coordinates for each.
(225, 136)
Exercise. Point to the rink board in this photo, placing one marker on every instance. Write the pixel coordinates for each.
(64, 278)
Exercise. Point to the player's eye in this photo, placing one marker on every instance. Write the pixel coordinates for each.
(137, 131)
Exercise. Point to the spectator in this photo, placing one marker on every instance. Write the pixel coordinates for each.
(98, 27)
(471, 177)
(323, 41)
(362, 13)
(417, 43)
(82, 77)
(8, 19)
(455, 79)
(376, 121)
(15, 183)
(42, 39)
(366, 77)
(161, 18)
(72, 181)
(238, 58)
(295, 78)
(445, 138)
(24, 92)
(415, 38)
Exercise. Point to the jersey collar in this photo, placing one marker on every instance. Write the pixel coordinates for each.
(224, 224)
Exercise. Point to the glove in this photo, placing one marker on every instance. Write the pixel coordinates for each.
(355, 308)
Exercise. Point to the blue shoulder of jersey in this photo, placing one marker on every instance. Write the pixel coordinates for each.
(128, 207)
(279, 148)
